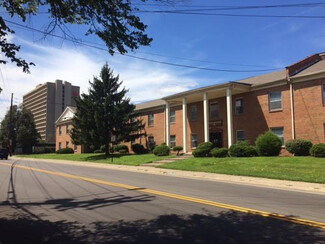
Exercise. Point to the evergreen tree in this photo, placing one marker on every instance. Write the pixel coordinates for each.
(104, 113)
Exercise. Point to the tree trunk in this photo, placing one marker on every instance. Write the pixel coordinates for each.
(107, 149)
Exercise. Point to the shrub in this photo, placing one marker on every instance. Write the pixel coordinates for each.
(98, 151)
(219, 152)
(138, 148)
(102, 148)
(242, 149)
(318, 150)
(203, 150)
(200, 153)
(206, 146)
(268, 144)
(177, 149)
(65, 150)
(162, 150)
(123, 151)
(299, 147)
(121, 147)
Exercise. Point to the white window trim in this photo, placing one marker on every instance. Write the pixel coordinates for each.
(192, 140)
(237, 135)
(210, 110)
(170, 117)
(239, 98)
(192, 106)
(276, 109)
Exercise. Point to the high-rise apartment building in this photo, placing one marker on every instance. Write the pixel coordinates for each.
(47, 102)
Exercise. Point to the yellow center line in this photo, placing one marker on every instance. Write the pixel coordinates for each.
(179, 197)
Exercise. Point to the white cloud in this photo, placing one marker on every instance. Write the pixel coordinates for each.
(145, 81)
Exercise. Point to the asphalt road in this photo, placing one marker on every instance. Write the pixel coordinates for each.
(54, 203)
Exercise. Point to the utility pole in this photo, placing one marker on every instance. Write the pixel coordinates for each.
(10, 126)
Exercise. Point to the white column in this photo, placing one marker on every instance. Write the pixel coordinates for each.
(229, 118)
(167, 124)
(206, 117)
(184, 125)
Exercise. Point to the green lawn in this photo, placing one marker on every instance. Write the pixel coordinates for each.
(128, 159)
(308, 169)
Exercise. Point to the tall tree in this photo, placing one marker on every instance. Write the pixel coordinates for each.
(113, 21)
(23, 130)
(105, 113)
(26, 133)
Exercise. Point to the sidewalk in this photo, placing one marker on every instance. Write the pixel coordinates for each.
(314, 188)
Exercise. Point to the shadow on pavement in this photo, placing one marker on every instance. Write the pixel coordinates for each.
(64, 204)
(226, 227)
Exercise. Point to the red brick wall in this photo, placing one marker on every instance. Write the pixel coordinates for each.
(64, 138)
(309, 110)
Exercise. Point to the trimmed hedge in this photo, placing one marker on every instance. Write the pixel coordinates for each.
(198, 153)
(66, 150)
(219, 152)
(203, 150)
(268, 144)
(162, 150)
(318, 150)
(121, 147)
(242, 149)
(299, 147)
(138, 148)
(177, 149)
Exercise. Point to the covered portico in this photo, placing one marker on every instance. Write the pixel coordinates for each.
(204, 94)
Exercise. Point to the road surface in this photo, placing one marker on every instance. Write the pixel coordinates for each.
(56, 203)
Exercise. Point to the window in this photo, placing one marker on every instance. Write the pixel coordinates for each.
(60, 130)
(67, 144)
(132, 141)
(151, 142)
(279, 132)
(68, 129)
(275, 101)
(323, 93)
(239, 104)
(214, 110)
(194, 141)
(172, 141)
(150, 119)
(240, 135)
(172, 116)
(193, 110)
(60, 145)
(151, 139)
(75, 148)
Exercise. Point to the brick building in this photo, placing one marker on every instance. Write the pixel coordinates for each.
(63, 128)
(290, 102)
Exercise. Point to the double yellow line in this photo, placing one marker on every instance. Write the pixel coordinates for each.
(179, 197)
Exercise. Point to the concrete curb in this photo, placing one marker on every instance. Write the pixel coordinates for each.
(314, 188)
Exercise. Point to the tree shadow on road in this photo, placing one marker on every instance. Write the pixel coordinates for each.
(225, 227)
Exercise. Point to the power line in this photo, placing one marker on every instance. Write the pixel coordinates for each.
(136, 57)
(233, 15)
(232, 7)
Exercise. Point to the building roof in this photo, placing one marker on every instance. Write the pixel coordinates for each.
(316, 68)
(150, 104)
(66, 115)
(265, 78)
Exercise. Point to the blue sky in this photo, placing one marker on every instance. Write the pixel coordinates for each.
(219, 42)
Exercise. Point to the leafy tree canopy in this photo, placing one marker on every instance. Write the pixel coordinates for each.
(111, 20)
(22, 130)
(104, 113)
